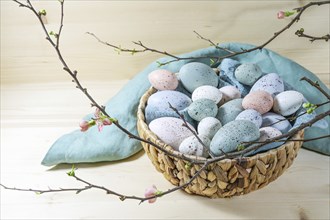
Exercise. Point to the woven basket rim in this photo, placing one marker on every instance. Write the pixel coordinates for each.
(168, 148)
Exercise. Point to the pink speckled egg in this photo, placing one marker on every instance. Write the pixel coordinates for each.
(229, 93)
(162, 79)
(260, 101)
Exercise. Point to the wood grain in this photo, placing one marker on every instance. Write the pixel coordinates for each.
(39, 104)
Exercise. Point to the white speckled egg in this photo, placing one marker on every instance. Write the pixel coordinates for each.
(163, 79)
(162, 99)
(208, 126)
(192, 146)
(207, 92)
(271, 119)
(229, 93)
(250, 115)
(170, 130)
(271, 83)
(248, 73)
(202, 108)
(288, 102)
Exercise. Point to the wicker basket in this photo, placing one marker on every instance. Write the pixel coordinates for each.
(225, 178)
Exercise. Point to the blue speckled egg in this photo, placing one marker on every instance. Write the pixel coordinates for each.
(271, 119)
(202, 108)
(250, 115)
(288, 102)
(162, 99)
(232, 134)
(271, 83)
(248, 73)
(170, 131)
(229, 111)
(209, 126)
(193, 75)
(192, 146)
(152, 113)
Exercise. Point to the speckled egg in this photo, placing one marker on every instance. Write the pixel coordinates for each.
(162, 99)
(207, 92)
(208, 126)
(232, 134)
(265, 134)
(163, 79)
(229, 111)
(260, 101)
(288, 102)
(194, 75)
(271, 83)
(192, 146)
(152, 113)
(248, 73)
(202, 108)
(271, 119)
(170, 131)
(229, 93)
(250, 115)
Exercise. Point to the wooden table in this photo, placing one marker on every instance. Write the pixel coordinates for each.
(39, 104)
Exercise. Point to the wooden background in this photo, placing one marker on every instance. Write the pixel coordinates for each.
(39, 104)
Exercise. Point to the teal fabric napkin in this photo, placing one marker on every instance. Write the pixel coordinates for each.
(111, 144)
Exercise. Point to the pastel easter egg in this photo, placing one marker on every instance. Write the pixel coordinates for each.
(260, 101)
(248, 73)
(163, 79)
(288, 102)
(271, 119)
(271, 83)
(152, 113)
(208, 126)
(229, 93)
(229, 111)
(265, 134)
(192, 146)
(194, 75)
(170, 130)
(250, 115)
(232, 134)
(207, 92)
(162, 99)
(202, 108)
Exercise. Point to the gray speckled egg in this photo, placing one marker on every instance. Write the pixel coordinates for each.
(248, 73)
(229, 111)
(170, 130)
(193, 75)
(202, 108)
(192, 146)
(207, 92)
(161, 99)
(232, 134)
(152, 113)
(208, 126)
(271, 83)
(288, 102)
(250, 115)
(163, 79)
(271, 119)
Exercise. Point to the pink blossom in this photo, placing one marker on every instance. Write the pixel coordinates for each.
(280, 14)
(107, 121)
(151, 191)
(84, 125)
